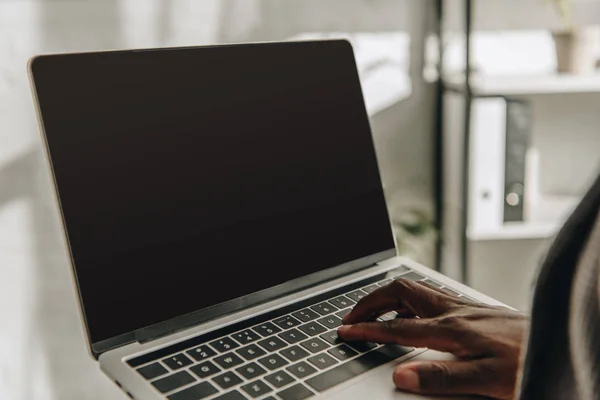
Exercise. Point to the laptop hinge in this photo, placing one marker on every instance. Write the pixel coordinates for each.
(181, 323)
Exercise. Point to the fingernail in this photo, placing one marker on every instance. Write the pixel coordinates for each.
(343, 329)
(406, 379)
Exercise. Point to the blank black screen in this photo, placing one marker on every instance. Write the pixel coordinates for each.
(189, 177)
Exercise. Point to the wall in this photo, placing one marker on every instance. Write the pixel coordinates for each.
(42, 350)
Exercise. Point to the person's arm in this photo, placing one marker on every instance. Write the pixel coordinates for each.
(486, 340)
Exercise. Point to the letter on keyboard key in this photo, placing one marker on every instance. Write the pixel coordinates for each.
(324, 308)
(251, 371)
(306, 315)
(266, 329)
(251, 352)
(331, 337)
(296, 392)
(286, 322)
(322, 361)
(312, 328)
(224, 344)
(342, 302)
(272, 344)
(342, 352)
(256, 388)
(228, 360)
(314, 345)
(294, 353)
(201, 352)
(356, 295)
(177, 361)
(227, 380)
(292, 336)
(331, 321)
(302, 369)
(173, 382)
(205, 369)
(195, 392)
(273, 361)
(279, 379)
(357, 366)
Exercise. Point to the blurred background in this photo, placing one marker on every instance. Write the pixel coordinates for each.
(480, 169)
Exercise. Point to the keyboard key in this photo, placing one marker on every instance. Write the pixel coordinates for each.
(371, 288)
(273, 361)
(205, 369)
(342, 352)
(246, 336)
(173, 382)
(251, 352)
(331, 321)
(152, 371)
(294, 353)
(224, 344)
(195, 392)
(388, 316)
(302, 369)
(343, 313)
(251, 371)
(411, 276)
(286, 322)
(331, 337)
(292, 336)
(228, 360)
(177, 361)
(342, 302)
(201, 353)
(324, 308)
(356, 295)
(362, 347)
(450, 291)
(322, 361)
(266, 329)
(296, 392)
(279, 379)
(469, 299)
(312, 328)
(306, 315)
(357, 366)
(256, 388)
(233, 395)
(272, 344)
(433, 283)
(400, 270)
(227, 380)
(314, 345)
(386, 282)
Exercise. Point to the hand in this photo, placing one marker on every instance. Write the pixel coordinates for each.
(486, 340)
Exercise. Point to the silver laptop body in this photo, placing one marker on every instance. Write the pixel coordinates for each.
(223, 210)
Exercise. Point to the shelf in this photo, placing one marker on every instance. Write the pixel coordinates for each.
(526, 85)
(545, 220)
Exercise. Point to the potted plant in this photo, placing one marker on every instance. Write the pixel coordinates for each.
(575, 45)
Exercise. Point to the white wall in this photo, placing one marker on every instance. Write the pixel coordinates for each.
(42, 350)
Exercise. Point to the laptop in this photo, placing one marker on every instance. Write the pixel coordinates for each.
(223, 210)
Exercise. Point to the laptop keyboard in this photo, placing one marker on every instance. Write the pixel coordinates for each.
(290, 357)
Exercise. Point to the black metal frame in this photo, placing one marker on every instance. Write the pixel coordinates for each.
(466, 142)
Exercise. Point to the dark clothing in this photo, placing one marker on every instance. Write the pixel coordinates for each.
(562, 359)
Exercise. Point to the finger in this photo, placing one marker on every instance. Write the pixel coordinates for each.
(400, 294)
(478, 377)
(417, 332)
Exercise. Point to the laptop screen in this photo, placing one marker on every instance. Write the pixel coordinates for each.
(191, 177)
